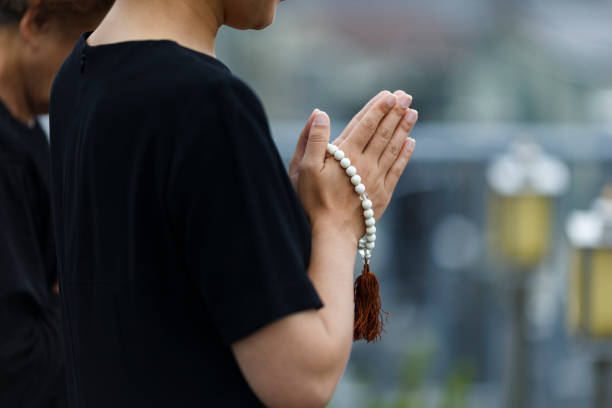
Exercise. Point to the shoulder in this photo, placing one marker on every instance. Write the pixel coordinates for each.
(204, 83)
(204, 89)
(165, 71)
(163, 76)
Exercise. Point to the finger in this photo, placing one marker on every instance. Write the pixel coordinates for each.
(300, 148)
(347, 131)
(365, 129)
(395, 172)
(318, 138)
(384, 133)
(403, 129)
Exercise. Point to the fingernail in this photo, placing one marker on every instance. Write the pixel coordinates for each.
(412, 115)
(405, 101)
(410, 144)
(390, 100)
(321, 119)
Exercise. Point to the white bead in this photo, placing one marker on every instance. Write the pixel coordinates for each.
(356, 180)
(360, 189)
(339, 155)
(331, 149)
(371, 238)
(370, 245)
(368, 213)
(371, 230)
(370, 221)
(351, 171)
(345, 163)
(366, 204)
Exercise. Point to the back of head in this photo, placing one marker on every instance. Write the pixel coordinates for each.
(11, 11)
(71, 14)
(35, 37)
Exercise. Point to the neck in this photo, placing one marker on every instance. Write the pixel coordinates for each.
(12, 84)
(191, 23)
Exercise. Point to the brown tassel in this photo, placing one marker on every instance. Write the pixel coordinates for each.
(369, 314)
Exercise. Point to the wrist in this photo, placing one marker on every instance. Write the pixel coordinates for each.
(330, 228)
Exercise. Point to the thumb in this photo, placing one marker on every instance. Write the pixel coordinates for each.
(300, 148)
(318, 138)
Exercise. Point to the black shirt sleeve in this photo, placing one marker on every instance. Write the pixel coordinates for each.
(241, 228)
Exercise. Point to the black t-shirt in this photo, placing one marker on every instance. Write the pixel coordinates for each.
(178, 230)
(30, 347)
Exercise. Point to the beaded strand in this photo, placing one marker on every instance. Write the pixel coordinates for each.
(370, 317)
(368, 242)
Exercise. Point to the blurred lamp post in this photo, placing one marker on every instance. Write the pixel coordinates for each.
(590, 286)
(524, 184)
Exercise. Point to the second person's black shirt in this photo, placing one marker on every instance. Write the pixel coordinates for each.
(178, 230)
(31, 362)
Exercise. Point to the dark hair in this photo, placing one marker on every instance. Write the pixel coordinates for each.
(73, 12)
(12, 10)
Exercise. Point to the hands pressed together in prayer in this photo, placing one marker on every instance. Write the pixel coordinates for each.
(377, 142)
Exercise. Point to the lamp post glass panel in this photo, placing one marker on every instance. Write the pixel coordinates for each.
(524, 184)
(590, 287)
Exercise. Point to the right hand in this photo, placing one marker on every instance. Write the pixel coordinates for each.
(377, 143)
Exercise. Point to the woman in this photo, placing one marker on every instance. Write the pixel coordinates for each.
(35, 36)
(192, 274)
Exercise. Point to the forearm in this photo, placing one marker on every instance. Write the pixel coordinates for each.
(304, 355)
(332, 262)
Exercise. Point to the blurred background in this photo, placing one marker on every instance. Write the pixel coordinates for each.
(498, 290)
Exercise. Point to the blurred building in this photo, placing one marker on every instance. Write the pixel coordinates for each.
(477, 60)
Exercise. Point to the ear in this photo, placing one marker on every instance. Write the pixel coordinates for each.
(32, 24)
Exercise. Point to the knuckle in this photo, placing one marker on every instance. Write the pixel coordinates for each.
(384, 133)
(369, 124)
(318, 137)
(406, 125)
(393, 149)
(383, 108)
(396, 172)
